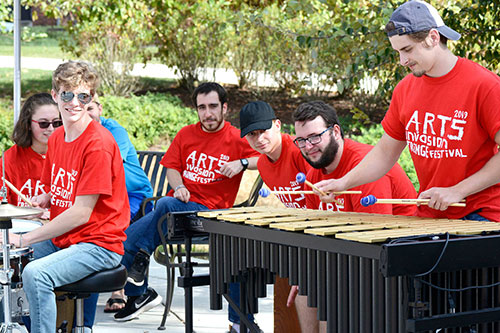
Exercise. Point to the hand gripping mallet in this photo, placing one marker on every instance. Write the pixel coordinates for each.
(371, 200)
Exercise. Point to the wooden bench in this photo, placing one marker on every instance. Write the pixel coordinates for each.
(166, 254)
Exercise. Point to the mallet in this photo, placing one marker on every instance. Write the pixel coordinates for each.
(264, 192)
(16, 191)
(371, 200)
(301, 179)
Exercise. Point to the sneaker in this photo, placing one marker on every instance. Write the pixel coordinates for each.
(138, 304)
(234, 328)
(139, 267)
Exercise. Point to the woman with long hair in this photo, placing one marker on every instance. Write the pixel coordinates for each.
(38, 119)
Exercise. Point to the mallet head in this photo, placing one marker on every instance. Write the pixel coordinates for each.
(368, 200)
(300, 178)
(264, 192)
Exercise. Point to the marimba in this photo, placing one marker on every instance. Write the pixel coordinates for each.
(364, 272)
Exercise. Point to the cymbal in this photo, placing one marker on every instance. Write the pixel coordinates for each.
(8, 211)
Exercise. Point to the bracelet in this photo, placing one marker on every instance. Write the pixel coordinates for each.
(21, 240)
(178, 187)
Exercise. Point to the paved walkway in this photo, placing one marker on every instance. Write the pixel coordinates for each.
(150, 70)
(205, 320)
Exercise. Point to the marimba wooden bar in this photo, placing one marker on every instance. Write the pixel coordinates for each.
(361, 270)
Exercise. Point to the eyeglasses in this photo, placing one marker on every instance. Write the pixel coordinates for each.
(84, 98)
(45, 124)
(313, 139)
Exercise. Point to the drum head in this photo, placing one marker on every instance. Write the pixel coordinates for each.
(16, 253)
(20, 226)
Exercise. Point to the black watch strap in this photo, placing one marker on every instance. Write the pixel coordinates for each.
(244, 163)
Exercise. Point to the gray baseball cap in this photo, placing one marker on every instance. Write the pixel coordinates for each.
(414, 16)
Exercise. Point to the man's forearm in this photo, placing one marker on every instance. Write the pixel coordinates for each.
(174, 178)
(487, 176)
(252, 163)
(73, 217)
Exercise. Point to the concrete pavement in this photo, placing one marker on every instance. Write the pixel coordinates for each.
(205, 320)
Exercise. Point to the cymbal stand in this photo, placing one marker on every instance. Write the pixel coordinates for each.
(6, 272)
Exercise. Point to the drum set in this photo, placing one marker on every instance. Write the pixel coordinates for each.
(12, 295)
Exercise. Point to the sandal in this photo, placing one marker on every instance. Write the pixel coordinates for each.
(111, 301)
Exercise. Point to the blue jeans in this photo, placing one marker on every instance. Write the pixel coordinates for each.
(143, 234)
(474, 216)
(57, 267)
(234, 293)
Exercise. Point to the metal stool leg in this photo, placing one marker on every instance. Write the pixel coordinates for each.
(170, 291)
(79, 328)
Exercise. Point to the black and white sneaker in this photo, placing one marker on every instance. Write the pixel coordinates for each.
(138, 304)
(137, 271)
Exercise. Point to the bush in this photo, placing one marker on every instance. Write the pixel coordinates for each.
(149, 117)
(113, 35)
(190, 36)
(373, 134)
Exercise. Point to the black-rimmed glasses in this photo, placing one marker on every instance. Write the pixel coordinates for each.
(45, 124)
(313, 139)
(84, 98)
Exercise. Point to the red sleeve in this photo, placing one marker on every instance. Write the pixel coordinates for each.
(248, 151)
(489, 113)
(391, 123)
(172, 158)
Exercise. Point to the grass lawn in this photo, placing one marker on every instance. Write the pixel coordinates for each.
(32, 81)
(36, 42)
(42, 42)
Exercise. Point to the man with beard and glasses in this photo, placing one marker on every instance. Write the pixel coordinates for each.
(321, 141)
(447, 112)
(205, 163)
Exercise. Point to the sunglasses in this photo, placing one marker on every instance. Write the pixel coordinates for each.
(45, 124)
(84, 98)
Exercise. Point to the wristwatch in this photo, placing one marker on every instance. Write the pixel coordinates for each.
(244, 163)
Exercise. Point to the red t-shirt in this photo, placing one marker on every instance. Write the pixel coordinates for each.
(23, 168)
(280, 175)
(449, 124)
(198, 156)
(91, 164)
(395, 184)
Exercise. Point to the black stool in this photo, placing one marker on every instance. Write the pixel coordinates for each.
(98, 282)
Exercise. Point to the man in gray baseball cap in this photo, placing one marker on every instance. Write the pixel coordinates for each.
(416, 16)
(447, 113)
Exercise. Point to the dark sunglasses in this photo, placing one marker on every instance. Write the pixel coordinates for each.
(84, 98)
(45, 124)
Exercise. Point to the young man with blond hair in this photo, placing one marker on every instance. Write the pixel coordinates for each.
(87, 198)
